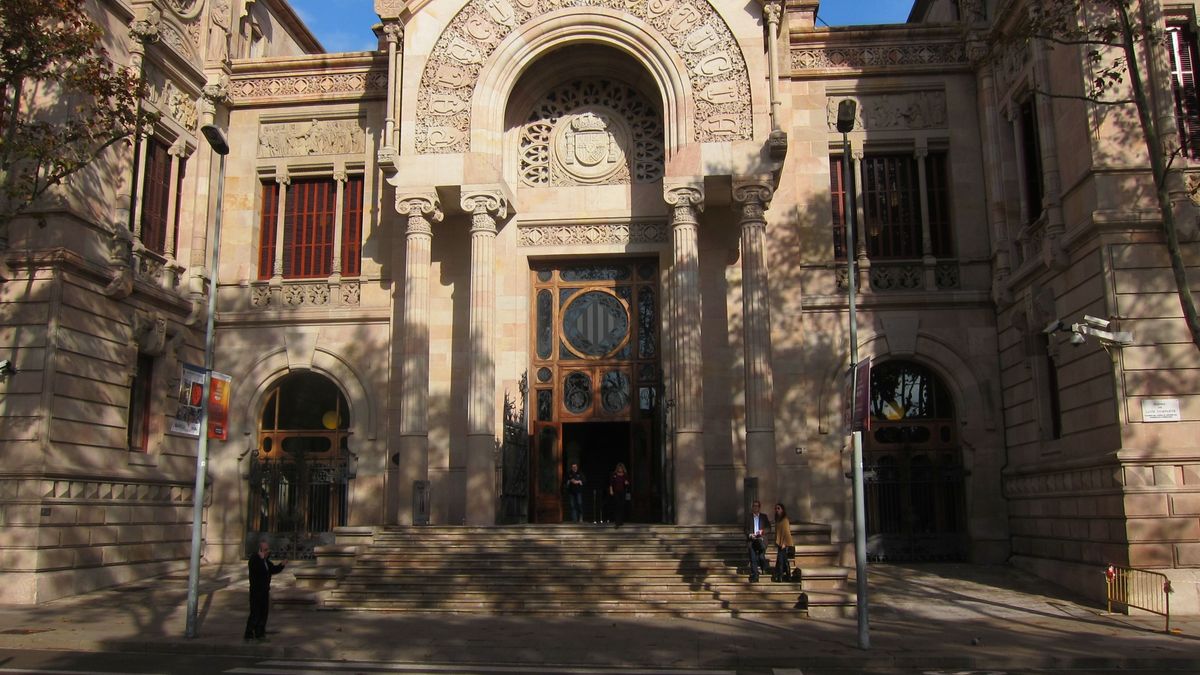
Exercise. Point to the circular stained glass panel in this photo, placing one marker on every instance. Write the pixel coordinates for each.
(595, 324)
(614, 391)
(577, 392)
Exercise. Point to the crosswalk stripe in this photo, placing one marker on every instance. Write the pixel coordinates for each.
(47, 671)
(307, 668)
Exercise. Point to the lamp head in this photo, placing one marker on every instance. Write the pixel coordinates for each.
(845, 117)
(216, 138)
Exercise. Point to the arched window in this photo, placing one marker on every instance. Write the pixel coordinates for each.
(299, 474)
(914, 490)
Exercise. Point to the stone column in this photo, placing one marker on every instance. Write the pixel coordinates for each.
(486, 206)
(335, 266)
(284, 180)
(393, 32)
(928, 261)
(686, 203)
(752, 198)
(411, 348)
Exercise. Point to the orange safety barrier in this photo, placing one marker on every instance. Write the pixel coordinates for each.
(1140, 589)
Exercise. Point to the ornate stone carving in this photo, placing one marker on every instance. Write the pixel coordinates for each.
(308, 87)
(314, 137)
(584, 235)
(826, 58)
(145, 29)
(189, 9)
(1010, 64)
(705, 45)
(592, 133)
(422, 210)
(876, 112)
(388, 9)
(298, 295)
(148, 330)
(170, 100)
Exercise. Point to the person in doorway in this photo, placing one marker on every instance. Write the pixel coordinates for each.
(620, 493)
(574, 489)
(758, 526)
(261, 570)
(783, 543)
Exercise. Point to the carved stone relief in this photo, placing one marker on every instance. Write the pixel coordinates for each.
(164, 94)
(315, 86)
(717, 72)
(314, 137)
(583, 235)
(877, 112)
(592, 133)
(1010, 64)
(824, 58)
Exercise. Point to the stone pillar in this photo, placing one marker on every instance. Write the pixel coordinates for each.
(284, 180)
(411, 348)
(928, 261)
(393, 32)
(752, 198)
(339, 202)
(486, 206)
(686, 203)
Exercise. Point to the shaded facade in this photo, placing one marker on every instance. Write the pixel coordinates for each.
(523, 234)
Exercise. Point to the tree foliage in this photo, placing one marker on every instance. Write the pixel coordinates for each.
(63, 101)
(1117, 39)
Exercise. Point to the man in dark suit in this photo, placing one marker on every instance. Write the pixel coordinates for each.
(757, 527)
(261, 570)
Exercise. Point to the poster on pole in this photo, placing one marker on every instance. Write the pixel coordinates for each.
(856, 411)
(186, 420)
(218, 406)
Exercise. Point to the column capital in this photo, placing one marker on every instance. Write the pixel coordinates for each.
(921, 152)
(393, 32)
(421, 208)
(180, 148)
(283, 178)
(145, 28)
(747, 191)
(490, 201)
(340, 175)
(772, 10)
(689, 195)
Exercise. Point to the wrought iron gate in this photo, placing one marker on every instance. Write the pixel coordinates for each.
(514, 459)
(296, 503)
(914, 508)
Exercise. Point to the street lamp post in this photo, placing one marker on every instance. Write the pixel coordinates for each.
(216, 139)
(845, 123)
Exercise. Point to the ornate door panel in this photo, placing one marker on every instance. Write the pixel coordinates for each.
(914, 490)
(595, 359)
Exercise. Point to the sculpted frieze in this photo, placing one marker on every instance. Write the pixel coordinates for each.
(585, 235)
(313, 137)
(315, 86)
(826, 58)
(878, 112)
(703, 42)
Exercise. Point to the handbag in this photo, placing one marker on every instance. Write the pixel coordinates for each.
(759, 546)
(791, 552)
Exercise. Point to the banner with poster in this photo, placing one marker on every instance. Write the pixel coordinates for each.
(218, 406)
(186, 420)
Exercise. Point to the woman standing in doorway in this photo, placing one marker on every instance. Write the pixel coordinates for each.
(619, 494)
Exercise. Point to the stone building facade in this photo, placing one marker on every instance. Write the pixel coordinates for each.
(527, 233)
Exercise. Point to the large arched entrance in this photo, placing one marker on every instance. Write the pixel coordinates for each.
(596, 383)
(300, 473)
(914, 487)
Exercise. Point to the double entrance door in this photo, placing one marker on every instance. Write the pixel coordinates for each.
(596, 385)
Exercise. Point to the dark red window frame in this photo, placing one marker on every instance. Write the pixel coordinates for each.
(892, 205)
(138, 422)
(1182, 47)
(156, 196)
(308, 231)
(268, 218)
(352, 216)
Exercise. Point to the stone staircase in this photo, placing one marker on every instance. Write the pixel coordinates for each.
(570, 569)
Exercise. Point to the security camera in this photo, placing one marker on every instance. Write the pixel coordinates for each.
(1077, 339)
(7, 367)
(1096, 322)
(1053, 327)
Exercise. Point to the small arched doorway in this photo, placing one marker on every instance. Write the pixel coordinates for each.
(913, 462)
(300, 470)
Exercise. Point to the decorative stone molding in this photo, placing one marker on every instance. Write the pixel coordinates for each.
(880, 112)
(752, 198)
(592, 132)
(853, 58)
(113, 491)
(388, 9)
(703, 42)
(591, 235)
(168, 98)
(145, 28)
(485, 207)
(189, 9)
(306, 294)
(421, 210)
(1010, 64)
(148, 332)
(314, 137)
(309, 87)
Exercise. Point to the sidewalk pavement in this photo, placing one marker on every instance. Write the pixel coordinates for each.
(945, 616)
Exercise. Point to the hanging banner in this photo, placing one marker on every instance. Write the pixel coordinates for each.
(856, 397)
(218, 406)
(186, 420)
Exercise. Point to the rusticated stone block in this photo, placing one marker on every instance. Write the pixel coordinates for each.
(1188, 554)
(89, 557)
(90, 515)
(1167, 476)
(129, 534)
(103, 534)
(1139, 476)
(1146, 505)
(1185, 504)
(1159, 529)
(1150, 555)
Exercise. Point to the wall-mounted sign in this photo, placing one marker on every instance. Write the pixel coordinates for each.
(1160, 410)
